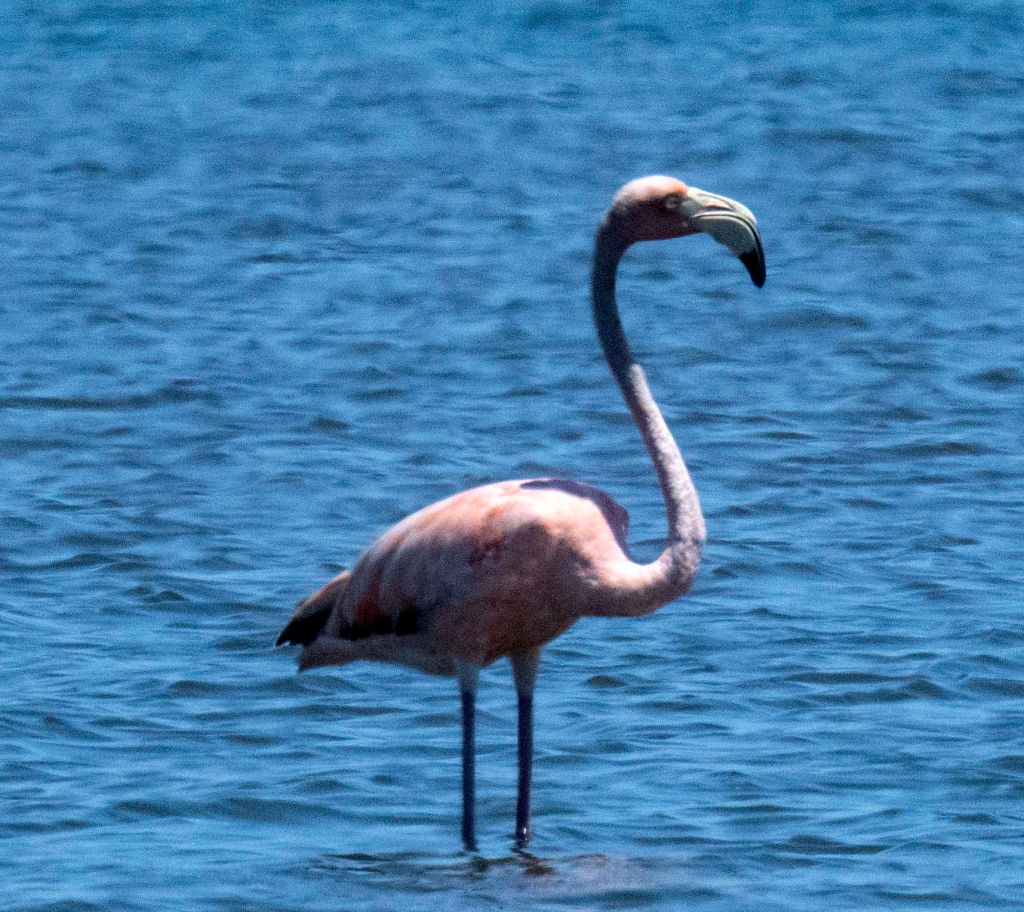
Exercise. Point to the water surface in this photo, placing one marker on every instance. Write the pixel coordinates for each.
(274, 275)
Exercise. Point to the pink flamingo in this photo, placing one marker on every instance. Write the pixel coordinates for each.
(502, 569)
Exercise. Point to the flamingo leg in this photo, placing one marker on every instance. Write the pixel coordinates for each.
(469, 675)
(524, 671)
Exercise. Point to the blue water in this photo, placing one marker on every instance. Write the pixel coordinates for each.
(273, 275)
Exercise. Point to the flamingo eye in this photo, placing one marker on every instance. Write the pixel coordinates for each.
(672, 203)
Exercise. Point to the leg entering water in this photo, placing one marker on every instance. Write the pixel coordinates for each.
(525, 771)
(524, 672)
(469, 675)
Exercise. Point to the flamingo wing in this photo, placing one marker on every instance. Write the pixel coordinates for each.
(480, 574)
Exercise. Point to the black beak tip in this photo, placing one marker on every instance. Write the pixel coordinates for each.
(754, 261)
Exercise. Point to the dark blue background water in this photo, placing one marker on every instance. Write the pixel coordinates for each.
(273, 275)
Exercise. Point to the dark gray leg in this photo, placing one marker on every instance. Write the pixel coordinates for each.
(468, 676)
(525, 771)
(524, 671)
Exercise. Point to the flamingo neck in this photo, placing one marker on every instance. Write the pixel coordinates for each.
(647, 586)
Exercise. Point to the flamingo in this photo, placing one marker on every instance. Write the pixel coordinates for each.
(502, 569)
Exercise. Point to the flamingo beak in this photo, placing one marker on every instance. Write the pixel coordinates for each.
(731, 224)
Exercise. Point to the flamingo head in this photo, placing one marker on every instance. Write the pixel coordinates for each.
(658, 208)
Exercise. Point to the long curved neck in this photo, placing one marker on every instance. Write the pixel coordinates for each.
(646, 587)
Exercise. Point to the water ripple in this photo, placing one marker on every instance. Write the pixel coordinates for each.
(277, 275)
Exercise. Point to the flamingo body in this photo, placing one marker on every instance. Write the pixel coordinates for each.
(493, 571)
